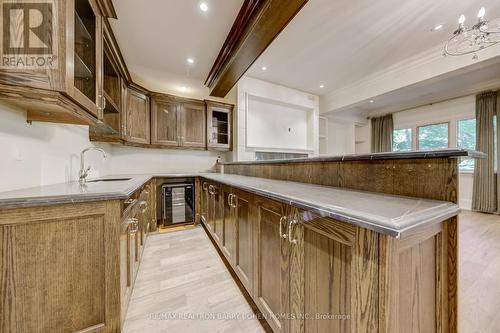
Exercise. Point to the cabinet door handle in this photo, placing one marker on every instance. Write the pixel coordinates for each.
(130, 201)
(134, 223)
(291, 239)
(144, 205)
(233, 202)
(204, 186)
(229, 200)
(282, 235)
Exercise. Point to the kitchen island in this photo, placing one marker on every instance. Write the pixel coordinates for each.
(355, 244)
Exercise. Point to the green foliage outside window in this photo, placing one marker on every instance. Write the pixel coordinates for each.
(433, 136)
(401, 139)
(466, 139)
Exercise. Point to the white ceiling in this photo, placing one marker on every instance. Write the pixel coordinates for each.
(157, 36)
(338, 42)
(466, 81)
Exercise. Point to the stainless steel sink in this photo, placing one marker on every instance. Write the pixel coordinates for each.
(108, 180)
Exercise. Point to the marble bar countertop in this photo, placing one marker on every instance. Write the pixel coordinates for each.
(388, 214)
(72, 192)
(439, 153)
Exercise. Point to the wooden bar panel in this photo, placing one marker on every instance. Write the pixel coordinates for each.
(430, 178)
(418, 281)
(417, 287)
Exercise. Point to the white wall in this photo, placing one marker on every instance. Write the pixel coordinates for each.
(139, 160)
(42, 153)
(289, 108)
(276, 125)
(340, 137)
(363, 138)
(448, 111)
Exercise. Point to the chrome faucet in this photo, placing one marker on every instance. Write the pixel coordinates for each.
(82, 175)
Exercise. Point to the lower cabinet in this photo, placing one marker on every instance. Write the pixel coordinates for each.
(241, 233)
(249, 235)
(237, 244)
(134, 230)
(229, 231)
(204, 199)
(218, 216)
(125, 277)
(301, 276)
(215, 218)
(273, 255)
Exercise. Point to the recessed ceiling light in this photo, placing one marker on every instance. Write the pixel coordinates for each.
(190, 60)
(321, 86)
(371, 101)
(264, 68)
(183, 88)
(437, 27)
(204, 6)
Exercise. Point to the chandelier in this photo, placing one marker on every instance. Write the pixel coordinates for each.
(467, 40)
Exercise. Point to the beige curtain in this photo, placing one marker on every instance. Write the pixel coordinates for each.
(382, 128)
(484, 194)
(498, 152)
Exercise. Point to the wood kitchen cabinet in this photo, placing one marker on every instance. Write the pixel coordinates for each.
(219, 125)
(273, 257)
(125, 271)
(215, 213)
(274, 249)
(204, 200)
(238, 232)
(137, 121)
(165, 122)
(229, 217)
(178, 122)
(68, 89)
(192, 125)
(111, 127)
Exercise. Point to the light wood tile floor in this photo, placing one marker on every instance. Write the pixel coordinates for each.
(479, 273)
(181, 273)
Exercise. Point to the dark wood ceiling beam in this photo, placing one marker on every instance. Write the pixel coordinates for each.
(257, 24)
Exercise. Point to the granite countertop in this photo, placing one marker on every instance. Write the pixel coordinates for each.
(71, 192)
(388, 214)
(438, 153)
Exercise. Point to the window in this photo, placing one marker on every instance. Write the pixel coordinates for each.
(401, 139)
(466, 138)
(433, 136)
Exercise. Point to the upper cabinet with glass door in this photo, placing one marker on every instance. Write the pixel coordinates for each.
(87, 56)
(219, 123)
(55, 72)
